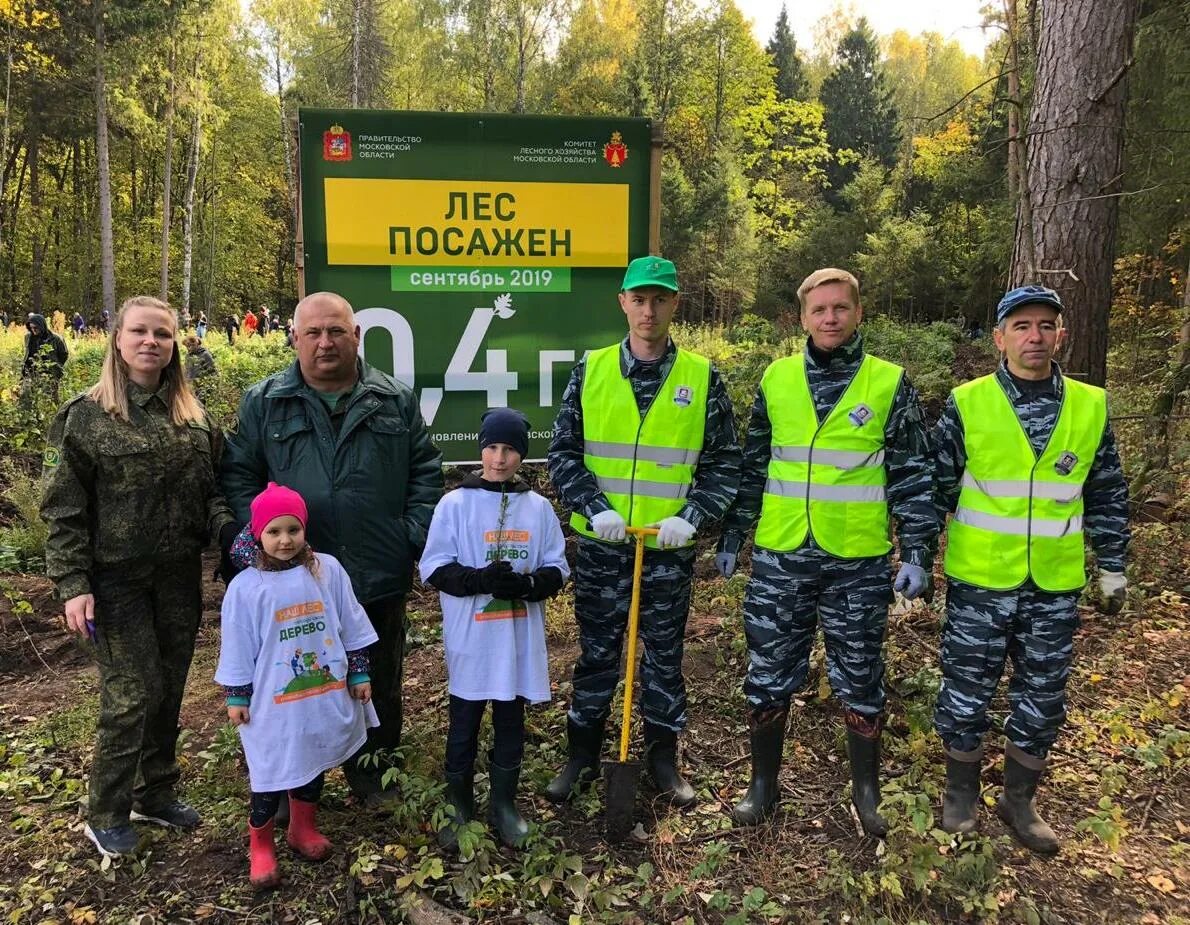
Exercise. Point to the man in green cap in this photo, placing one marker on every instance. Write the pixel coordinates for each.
(645, 437)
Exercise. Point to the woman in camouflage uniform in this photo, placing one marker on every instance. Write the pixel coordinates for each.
(131, 500)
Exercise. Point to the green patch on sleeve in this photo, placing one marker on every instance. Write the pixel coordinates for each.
(51, 457)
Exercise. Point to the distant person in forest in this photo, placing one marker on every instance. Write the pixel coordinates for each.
(199, 361)
(321, 715)
(200, 327)
(131, 499)
(250, 323)
(78, 325)
(45, 360)
(105, 321)
(1027, 469)
(231, 326)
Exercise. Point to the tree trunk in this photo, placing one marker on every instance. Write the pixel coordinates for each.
(188, 210)
(1075, 167)
(4, 134)
(107, 257)
(1154, 484)
(1018, 180)
(357, 41)
(36, 289)
(167, 174)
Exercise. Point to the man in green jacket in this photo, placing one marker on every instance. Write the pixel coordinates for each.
(352, 441)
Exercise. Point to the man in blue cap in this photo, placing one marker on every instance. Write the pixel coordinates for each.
(645, 436)
(1026, 464)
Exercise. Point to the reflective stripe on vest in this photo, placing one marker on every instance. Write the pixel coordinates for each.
(643, 465)
(1020, 515)
(827, 478)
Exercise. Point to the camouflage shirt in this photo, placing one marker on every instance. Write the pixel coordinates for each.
(1105, 493)
(115, 491)
(718, 466)
(907, 461)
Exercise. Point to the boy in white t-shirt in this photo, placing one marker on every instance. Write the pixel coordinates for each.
(495, 552)
(294, 666)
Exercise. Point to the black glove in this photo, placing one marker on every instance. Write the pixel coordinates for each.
(489, 576)
(511, 586)
(227, 569)
(546, 582)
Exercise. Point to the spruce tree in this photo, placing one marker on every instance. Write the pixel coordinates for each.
(859, 112)
(791, 79)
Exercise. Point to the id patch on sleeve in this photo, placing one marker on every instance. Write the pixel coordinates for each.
(51, 457)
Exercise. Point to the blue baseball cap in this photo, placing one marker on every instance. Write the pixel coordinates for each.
(1026, 295)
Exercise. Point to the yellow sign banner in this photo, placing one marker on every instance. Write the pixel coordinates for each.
(444, 223)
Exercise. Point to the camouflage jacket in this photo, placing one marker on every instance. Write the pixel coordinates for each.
(718, 466)
(1105, 493)
(907, 462)
(115, 491)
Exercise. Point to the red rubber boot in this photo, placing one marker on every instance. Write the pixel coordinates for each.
(262, 858)
(303, 835)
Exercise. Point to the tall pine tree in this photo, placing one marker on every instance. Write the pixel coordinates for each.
(791, 79)
(859, 113)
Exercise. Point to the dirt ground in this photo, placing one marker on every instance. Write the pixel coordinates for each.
(1117, 794)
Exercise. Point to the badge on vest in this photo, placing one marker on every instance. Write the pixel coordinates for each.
(682, 396)
(1066, 463)
(860, 415)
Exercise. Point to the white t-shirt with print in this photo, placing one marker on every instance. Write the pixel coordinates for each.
(495, 650)
(288, 634)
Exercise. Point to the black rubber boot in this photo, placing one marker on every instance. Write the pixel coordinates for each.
(503, 815)
(767, 735)
(661, 760)
(1016, 806)
(863, 749)
(460, 806)
(960, 805)
(584, 743)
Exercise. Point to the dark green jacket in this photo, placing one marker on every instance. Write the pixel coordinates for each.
(370, 492)
(116, 492)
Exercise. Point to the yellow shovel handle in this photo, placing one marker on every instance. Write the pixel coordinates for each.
(638, 565)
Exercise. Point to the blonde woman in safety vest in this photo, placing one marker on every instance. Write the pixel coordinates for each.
(1027, 467)
(645, 436)
(836, 443)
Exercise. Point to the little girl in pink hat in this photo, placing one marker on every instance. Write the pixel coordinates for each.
(294, 666)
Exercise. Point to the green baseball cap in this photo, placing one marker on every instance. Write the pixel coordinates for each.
(650, 271)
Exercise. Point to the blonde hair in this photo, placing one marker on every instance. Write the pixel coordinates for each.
(824, 276)
(304, 557)
(111, 391)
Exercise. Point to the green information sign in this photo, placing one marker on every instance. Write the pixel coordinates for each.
(482, 253)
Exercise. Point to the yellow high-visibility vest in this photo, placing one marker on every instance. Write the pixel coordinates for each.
(827, 479)
(643, 464)
(1020, 514)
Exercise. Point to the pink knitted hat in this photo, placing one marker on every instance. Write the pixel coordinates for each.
(276, 501)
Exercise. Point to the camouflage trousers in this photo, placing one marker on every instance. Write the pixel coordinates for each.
(788, 595)
(602, 597)
(1032, 627)
(146, 621)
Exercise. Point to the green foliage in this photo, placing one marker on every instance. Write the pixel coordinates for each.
(860, 113)
(790, 79)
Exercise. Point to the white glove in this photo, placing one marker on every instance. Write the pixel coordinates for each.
(609, 527)
(1112, 588)
(673, 531)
